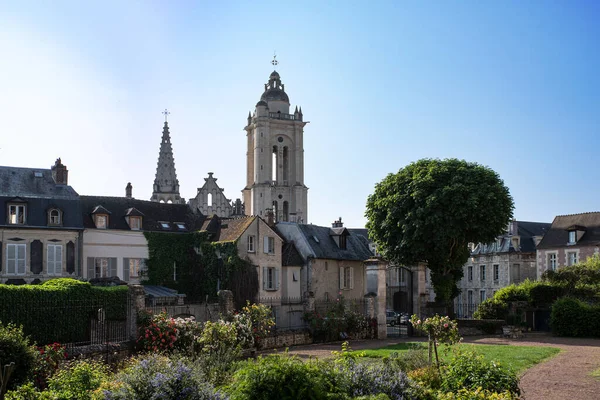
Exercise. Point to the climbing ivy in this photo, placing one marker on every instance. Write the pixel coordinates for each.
(200, 266)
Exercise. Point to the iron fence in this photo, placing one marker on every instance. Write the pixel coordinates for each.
(288, 312)
(72, 323)
(465, 310)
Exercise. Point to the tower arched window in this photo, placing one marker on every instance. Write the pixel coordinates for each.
(209, 200)
(275, 211)
(285, 164)
(274, 164)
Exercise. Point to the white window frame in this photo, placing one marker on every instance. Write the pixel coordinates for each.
(496, 272)
(552, 261)
(269, 245)
(572, 237)
(20, 216)
(54, 263)
(135, 223)
(251, 247)
(482, 273)
(346, 278)
(103, 264)
(19, 264)
(135, 267)
(470, 273)
(101, 221)
(575, 255)
(54, 219)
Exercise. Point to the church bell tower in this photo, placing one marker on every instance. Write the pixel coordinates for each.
(275, 157)
(166, 185)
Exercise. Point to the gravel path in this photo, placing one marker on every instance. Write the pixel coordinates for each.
(565, 376)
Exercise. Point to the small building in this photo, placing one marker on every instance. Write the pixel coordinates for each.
(571, 239)
(40, 225)
(113, 239)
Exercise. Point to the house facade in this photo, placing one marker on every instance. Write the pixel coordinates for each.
(113, 237)
(511, 258)
(40, 225)
(570, 240)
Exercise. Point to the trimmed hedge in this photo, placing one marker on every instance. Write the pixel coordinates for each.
(575, 318)
(60, 310)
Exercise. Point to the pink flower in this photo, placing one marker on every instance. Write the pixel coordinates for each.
(446, 326)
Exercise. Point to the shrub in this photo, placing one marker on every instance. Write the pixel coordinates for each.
(188, 331)
(469, 370)
(48, 361)
(160, 335)
(262, 319)
(413, 359)
(441, 330)
(217, 336)
(78, 380)
(371, 379)
(158, 377)
(572, 317)
(16, 347)
(281, 377)
(476, 394)
(428, 377)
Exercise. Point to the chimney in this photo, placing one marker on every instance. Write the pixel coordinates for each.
(128, 190)
(270, 217)
(338, 223)
(60, 174)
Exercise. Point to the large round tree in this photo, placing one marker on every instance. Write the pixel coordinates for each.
(431, 209)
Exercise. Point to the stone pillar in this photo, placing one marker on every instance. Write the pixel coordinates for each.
(309, 302)
(381, 300)
(226, 304)
(137, 303)
(371, 305)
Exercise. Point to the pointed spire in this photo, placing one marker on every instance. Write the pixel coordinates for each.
(296, 110)
(166, 185)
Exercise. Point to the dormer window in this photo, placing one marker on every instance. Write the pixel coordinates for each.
(343, 242)
(101, 221)
(165, 225)
(572, 237)
(54, 217)
(180, 226)
(135, 223)
(17, 214)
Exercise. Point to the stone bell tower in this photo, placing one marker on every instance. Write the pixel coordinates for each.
(275, 157)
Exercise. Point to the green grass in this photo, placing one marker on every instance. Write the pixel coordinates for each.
(518, 358)
(595, 373)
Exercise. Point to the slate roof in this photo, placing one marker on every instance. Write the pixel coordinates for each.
(359, 231)
(40, 193)
(22, 182)
(558, 235)
(526, 231)
(153, 213)
(357, 246)
(290, 255)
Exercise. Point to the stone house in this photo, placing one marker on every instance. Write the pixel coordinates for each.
(511, 258)
(113, 238)
(571, 239)
(334, 260)
(40, 225)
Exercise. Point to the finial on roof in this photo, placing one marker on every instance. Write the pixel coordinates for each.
(166, 114)
(274, 61)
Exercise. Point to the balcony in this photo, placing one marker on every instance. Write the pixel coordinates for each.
(279, 115)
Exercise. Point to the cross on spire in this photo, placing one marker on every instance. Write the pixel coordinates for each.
(166, 114)
(274, 61)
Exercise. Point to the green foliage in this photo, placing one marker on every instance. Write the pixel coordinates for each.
(159, 335)
(78, 380)
(16, 347)
(410, 360)
(573, 317)
(280, 377)
(431, 209)
(476, 394)
(49, 359)
(60, 311)
(469, 370)
(440, 330)
(200, 265)
(261, 317)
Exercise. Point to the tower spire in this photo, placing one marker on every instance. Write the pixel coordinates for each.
(166, 185)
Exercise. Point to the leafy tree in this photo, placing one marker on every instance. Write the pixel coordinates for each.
(431, 209)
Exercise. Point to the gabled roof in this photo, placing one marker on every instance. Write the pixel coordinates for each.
(290, 255)
(558, 235)
(232, 229)
(323, 245)
(100, 210)
(154, 214)
(23, 182)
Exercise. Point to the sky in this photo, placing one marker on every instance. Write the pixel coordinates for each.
(513, 85)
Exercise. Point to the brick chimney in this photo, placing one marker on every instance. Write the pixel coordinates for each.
(60, 174)
(338, 223)
(128, 190)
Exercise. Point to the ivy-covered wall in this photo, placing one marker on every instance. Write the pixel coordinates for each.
(200, 266)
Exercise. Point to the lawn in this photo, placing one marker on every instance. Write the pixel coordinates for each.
(518, 358)
(596, 373)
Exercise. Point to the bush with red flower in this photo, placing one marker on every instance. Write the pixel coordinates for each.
(159, 335)
(440, 330)
(49, 358)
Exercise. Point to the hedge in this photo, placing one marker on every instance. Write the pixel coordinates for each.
(60, 310)
(575, 318)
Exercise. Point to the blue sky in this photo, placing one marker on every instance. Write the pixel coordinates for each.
(511, 85)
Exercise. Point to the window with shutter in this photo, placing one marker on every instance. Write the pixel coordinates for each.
(54, 259)
(15, 259)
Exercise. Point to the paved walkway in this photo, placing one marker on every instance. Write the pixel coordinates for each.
(565, 376)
